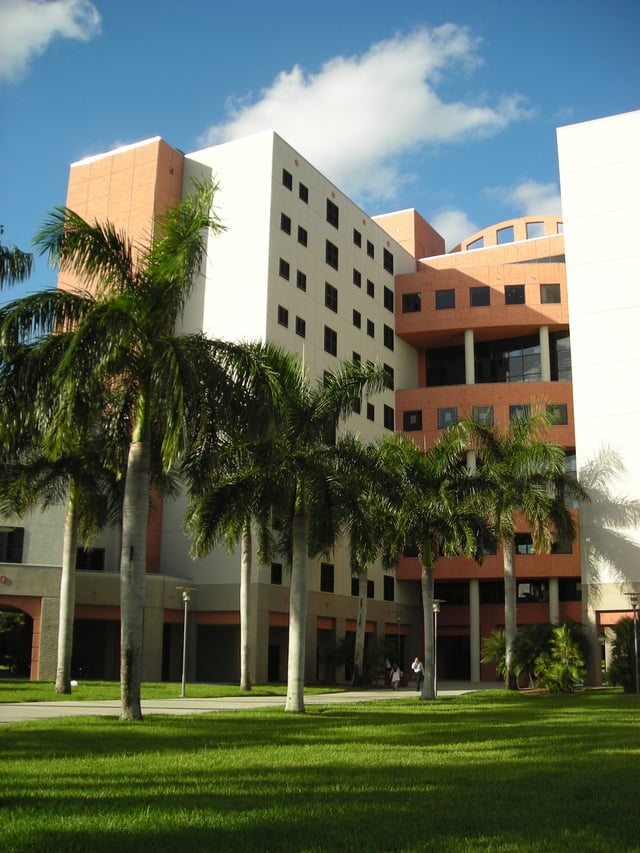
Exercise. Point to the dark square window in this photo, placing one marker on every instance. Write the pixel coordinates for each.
(371, 589)
(301, 280)
(371, 288)
(326, 577)
(357, 237)
(445, 299)
(483, 415)
(302, 235)
(357, 406)
(284, 269)
(355, 586)
(276, 574)
(11, 543)
(283, 316)
(388, 298)
(330, 341)
(447, 417)
(387, 260)
(301, 327)
(303, 193)
(521, 412)
(412, 420)
(411, 302)
(514, 294)
(371, 412)
(370, 249)
(90, 559)
(357, 278)
(330, 297)
(357, 319)
(287, 179)
(356, 358)
(331, 254)
(371, 329)
(389, 377)
(558, 411)
(285, 223)
(388, 588)
(333, 213)
(388, 418)
(550, 294)
(388, 337)
(479, 296)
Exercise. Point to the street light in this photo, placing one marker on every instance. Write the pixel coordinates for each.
(436, 609)
(186, 598)
(633, 601)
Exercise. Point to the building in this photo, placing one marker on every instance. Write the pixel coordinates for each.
(482, 331)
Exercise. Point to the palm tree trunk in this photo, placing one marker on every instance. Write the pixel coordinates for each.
(510, 602)
(297, 614)
(132, 572)
(361, 625)
(67, 594)
(245, 608)
(426, 585)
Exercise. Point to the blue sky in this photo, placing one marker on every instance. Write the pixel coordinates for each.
(450, 108)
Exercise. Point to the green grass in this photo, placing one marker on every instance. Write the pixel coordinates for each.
(491, 771)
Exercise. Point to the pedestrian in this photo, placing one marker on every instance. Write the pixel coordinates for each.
(418, 669)
(396, 676)
(387, 671)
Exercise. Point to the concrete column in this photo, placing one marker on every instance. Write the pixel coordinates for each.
(554, 602)
(545, 354)
(469, 358)
(474, 628)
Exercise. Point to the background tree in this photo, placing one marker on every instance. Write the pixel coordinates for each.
(15, 265)
(622, 668)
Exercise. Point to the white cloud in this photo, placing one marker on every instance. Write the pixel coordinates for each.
(358, 116)
(454, 226)
(28, 26)
(529, 198)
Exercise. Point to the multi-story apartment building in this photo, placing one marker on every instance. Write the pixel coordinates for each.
(481, 332)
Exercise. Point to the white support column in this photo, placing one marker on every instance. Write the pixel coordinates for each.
(554, 602)
(545, 354)
(469, 358)
(474, 628)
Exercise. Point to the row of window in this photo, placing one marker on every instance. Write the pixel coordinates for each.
(480, 297)
(492, 591)
(506, 234)
(327, 581)
(446, 417)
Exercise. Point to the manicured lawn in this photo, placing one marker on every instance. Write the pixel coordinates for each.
(490, 771)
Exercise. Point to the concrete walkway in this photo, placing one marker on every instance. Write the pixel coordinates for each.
(11, 712)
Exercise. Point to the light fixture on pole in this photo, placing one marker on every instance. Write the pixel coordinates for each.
(186, 598)
(633, 601)
(436, 609)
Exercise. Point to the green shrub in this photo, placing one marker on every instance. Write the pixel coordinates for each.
(622, 669)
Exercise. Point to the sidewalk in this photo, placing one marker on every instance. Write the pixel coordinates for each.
(13, 712)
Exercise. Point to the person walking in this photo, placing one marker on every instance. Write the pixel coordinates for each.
(418, 669)
(396, 676)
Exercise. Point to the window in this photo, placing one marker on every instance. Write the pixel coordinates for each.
(371, 288)
(356, 358)
(287, 179)
(569, 589)
(355, 586)
(333, 213)
(445, 299)
(504, 235)
(301, 280)
(387, 333)
(90, 559)
(330, 297)
(535, 229)
(276, 574)
(283, 316)
(326, 577)
(447, 417)
(389, 377)
(514, 294)
(285, 223)
(370, 589)
(445, 366)
(524, 544)
(387, 260)
(11, 543)
(452, 592)
(388, 298)
(370, 249)
(301, 327)
(284, 269)
(357, 278)
(476, 244)
(410, 550)
(388, 588)
(558, 411)
(483, 415)
(520, 412)
(357, 406)
(411, 302)
(561, 545)
(536, 591)
(357, 319)
(491, 592)
(371, 329)
(510, 360)
(388, 418)
(479, 296)
(371, 412)
(330, 341)
(549, 294)
(331, 254)
(412, 420)
(560, 227)
(303, 193)
(302, 235)
(357, 237)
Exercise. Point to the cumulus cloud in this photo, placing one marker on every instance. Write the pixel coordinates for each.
(357, 116)
(454, 226)
(28, 26)
(529, 198)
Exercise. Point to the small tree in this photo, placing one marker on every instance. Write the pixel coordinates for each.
(622, 669)
(563, 667)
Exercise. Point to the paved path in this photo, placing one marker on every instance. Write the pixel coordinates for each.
(21, 711)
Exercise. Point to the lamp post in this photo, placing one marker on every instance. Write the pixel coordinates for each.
(186, 598)
(633, 601)
(436, 609)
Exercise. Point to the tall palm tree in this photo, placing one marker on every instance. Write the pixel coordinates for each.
(523, 476)
(437, 513)
(15, 265)
(124, 333)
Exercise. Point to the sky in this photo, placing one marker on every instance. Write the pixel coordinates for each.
(450, 108)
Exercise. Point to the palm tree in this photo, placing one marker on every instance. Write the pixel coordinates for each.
(523, 476)
(436, 513)
(15, 265)
(124, 333)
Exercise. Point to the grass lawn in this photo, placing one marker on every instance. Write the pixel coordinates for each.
(492, 771)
